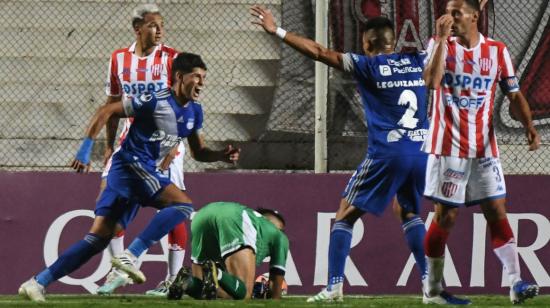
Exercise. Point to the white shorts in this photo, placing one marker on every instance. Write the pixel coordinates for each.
(176, 167)
(458, 181)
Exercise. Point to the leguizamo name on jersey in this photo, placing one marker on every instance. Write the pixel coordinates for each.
(165, 139)
(400, 83)
(141, 87)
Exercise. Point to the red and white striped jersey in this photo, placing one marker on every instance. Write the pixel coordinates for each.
(462, 109)
(131, 75)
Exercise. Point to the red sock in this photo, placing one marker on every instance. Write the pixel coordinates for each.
(120, 233)
(177, 237)
(501, 232)
(434, 243)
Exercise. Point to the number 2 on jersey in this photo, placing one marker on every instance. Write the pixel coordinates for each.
(408, 98)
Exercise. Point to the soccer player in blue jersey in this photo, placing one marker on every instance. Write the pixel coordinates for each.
(394, 98)
(161, 120)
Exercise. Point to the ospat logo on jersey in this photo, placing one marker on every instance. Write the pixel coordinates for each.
(476, 86)
(136, 88)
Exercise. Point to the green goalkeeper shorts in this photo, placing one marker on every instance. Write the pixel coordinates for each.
(218, 230)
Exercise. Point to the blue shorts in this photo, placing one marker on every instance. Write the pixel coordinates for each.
(377, 180)
(129, 185)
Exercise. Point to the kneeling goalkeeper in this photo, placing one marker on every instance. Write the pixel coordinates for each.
(239, 239)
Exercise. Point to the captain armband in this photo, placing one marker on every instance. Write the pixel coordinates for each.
(509, 84)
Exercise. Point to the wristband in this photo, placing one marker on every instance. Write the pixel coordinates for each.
(280, 32)
(85, 151)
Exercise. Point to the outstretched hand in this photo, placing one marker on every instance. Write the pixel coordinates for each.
(81, 162)
(231, 154)
(80, 167)
(264, 18)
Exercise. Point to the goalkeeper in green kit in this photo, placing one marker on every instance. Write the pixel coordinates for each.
(238, 239)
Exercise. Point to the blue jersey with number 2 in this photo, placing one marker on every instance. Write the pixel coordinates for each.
(393, 94)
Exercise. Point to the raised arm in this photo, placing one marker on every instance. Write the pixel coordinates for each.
(482, 3)
(519, 109)
(81, 163)
(309, 48)
(435, 68)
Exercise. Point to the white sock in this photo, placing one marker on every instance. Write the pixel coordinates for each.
(116, 246)
(433, 284)
(139, 260)
(508, 255)
(131, 256)
(175, 262)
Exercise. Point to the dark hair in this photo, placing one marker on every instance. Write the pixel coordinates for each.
(379, 23)
(474, 4)
(271, 212)
(186, 62)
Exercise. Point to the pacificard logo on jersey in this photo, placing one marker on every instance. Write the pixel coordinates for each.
(401, 66)
(165, 139)
(385, 70)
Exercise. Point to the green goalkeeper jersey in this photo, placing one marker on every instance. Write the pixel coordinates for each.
(221, 228)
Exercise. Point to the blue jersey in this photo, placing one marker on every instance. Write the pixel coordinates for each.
(393, 94)
(160, 123)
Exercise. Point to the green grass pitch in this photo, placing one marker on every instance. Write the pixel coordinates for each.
(292, 301)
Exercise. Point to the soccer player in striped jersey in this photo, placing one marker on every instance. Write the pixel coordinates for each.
(464, 68)
(144, 66)
(161, 121)
(394, 99)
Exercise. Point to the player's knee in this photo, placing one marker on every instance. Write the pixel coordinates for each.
(180, 209)
(446, 219)
(409, 216)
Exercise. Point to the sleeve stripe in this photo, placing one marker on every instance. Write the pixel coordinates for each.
(128, 106)
(347, 63)
(279, 267)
